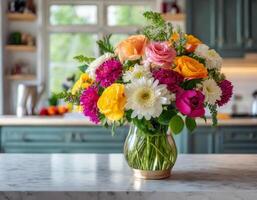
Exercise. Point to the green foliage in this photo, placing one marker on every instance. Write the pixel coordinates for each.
(158, 29)
(180, 44)
(166, 116)
(83, 68)
(130, 63)
(190, 84)
(216, 75)
(144, 125)
(105, 45)
(67, 96)
(176, 124)
(213, 111)
(84, 59)
(190, 124)
(201, 60)
(53, 100)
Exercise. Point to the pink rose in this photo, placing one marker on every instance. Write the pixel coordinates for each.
(160, 54)
(190, 103)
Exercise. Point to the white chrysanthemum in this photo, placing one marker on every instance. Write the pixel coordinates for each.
(211, 91)
(212, 58)
(201, 50)
(146, 97)
(137, 72)
(96, 63)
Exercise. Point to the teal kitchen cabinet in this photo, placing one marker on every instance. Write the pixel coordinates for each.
(229, 26)
(250, 24)
(90, 139)
(201, 20)
(202, 140)
(236, 139)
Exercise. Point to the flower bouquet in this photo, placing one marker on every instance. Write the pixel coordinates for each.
(159, 82)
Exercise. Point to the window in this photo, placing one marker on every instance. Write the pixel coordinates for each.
(73, 28)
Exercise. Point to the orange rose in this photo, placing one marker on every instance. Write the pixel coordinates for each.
(131, 48)
(191, 44)
(190, 68)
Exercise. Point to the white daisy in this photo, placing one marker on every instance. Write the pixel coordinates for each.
(212, 58)
(146, 97)
(96, 63)
(137, 72)
(211, 91)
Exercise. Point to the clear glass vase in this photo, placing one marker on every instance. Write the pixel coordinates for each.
(151, 156)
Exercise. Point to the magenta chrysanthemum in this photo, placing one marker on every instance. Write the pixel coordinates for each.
(169, 77)
(227, 92)
(108, 72)
(88, 100)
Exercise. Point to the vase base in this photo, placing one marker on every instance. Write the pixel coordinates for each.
(152, 175)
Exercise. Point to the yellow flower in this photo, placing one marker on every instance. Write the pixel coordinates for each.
(112, 102)
(190, 68)
(83, 83)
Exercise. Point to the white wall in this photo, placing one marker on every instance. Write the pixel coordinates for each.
(244, 79)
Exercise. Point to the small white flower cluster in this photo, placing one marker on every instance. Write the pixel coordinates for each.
(212, 58)
(209, 86)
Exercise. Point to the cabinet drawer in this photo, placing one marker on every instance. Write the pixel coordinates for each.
(238, 139)
(32, 135)
(240, 136)
(90, 139)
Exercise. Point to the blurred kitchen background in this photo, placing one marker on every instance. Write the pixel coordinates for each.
(39, 38)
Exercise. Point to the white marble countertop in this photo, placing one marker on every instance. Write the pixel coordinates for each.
(6, 120)
(92, 176)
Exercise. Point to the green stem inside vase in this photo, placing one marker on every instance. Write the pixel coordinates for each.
(149, 152)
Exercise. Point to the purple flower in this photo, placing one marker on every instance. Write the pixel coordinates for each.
(190, 103)
(108, 72)
(88, 100)
(170, 78)
(227, 92)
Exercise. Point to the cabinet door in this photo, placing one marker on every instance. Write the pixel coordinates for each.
(230, 28)
(201, 20)
(202, 140)
(250, 21)
(236, 139)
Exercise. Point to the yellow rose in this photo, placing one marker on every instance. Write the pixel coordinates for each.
(190, 68)
(83, 83)
(131, 48)
(112, 102)
(191, 43)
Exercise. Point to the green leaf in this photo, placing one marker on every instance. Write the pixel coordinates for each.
(83, 68)
(166, 116)
(213, 111)
(67, 96)
(190, 84)
(105, 45)
(190, 124)
(84, 59)
(176, 124)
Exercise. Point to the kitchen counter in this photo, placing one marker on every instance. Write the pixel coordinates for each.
(97, 176)
(69, 121)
